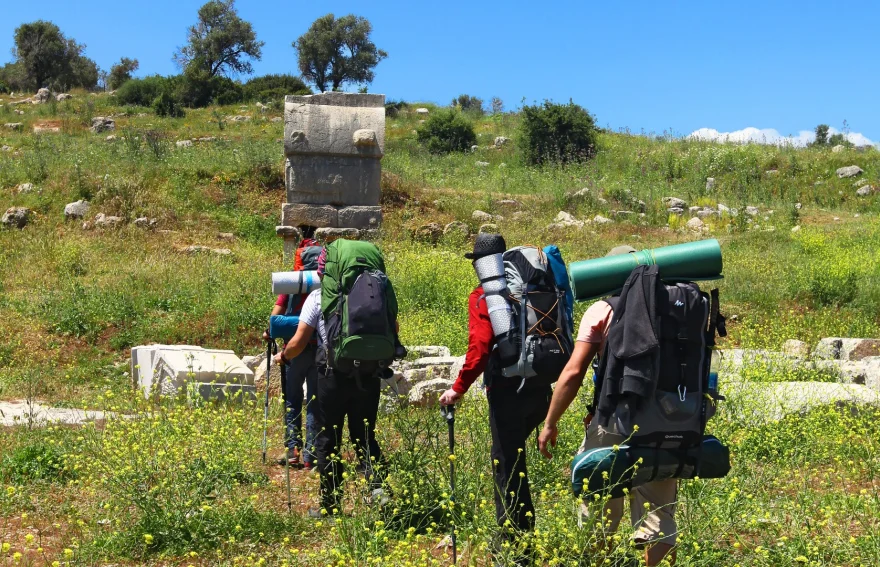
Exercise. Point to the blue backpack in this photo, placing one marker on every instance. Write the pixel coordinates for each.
(560, 275)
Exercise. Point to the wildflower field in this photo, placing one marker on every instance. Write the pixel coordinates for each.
(171, 483)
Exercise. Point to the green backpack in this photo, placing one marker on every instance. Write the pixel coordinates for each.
(359, 308)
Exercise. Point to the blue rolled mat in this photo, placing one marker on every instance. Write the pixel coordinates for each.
(283, 326)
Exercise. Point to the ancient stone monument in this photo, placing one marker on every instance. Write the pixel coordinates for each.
(333, 143)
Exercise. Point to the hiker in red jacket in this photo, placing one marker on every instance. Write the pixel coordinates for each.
(514, 412)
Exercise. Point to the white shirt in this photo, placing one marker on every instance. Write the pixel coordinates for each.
(311, 315)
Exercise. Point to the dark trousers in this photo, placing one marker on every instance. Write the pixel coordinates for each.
(513, 416)
(299, 371)
(340, 396)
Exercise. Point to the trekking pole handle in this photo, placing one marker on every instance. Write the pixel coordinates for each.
(448, 412)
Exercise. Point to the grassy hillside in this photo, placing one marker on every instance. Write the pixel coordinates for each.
(184, 485)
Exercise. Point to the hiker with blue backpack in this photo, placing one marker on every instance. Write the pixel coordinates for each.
(519, 340)
(355, 317)
(297, 371)
(652, 344)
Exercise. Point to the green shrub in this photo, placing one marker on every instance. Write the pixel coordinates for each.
(393, 108)
(142, 92)
(197, 89)
(167, 105)
(469, 104)
(37, 461)
(447, 131)
(557, 133)
(273, 87)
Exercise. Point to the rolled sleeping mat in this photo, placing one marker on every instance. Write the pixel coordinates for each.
(692, 261)
(490, 271)
(605, 470)
(283, 326)
(295, 283)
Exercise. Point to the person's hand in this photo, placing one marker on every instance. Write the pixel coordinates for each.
(547, 437)
(588, 419)
(450, 397)
(277, 358)
(266, 335)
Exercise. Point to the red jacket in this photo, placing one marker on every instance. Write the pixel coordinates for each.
(481, 339)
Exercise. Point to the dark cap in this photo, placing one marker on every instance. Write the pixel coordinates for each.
(487, 244)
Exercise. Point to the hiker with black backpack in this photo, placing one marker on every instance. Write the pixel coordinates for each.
(519, 340)
(355, 316)
(652, 345)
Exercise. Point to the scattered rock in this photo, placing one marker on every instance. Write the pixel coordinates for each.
(482, 164)
(796, 228)
(20, 412)
(76, 210)
(17, 126)
(837, 149)
(706, 213)
(198, 249)
(752, 211)
(696, 224)
(580, 194)
(675, 211)
(430, 233)
(674, 203)
(482, 216)
(710, 183)
(860, 182)
(622, 214)
(723, 210)
(864, 191)
(509, 203)
(102, 221)
(46, 129)
(796, 348)
(102, 124)
(43, 96)
(183, 143)
(63, 96)
(16, 217)
(849, 171)
(425, 394)
(474, 148)
(488, 227)
(429, 351)
(501, 141)
(239, 118)
(565, 220)
(457, 227)
(599, 219)
(773, 401)
(277, 119)
(110, 138)
(226, 236)
(146, 223)
(5, 149)
(836, 348)
(422, 111)
(25, 188)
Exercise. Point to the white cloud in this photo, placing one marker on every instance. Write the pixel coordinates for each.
(772, 136)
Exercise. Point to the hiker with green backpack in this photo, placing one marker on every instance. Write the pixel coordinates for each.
(519, 340)
(355, 316)
(652, 398)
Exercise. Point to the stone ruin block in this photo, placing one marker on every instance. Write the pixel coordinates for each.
(208, 373)
(333, 143)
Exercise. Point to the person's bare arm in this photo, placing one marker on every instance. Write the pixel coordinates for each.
(570, 382)
(297, 344)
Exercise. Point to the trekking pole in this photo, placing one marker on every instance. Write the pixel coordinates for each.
(448, 412)
(271, 348)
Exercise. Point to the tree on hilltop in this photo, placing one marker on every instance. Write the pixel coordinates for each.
(121, 72)
(221, 43)
(44, 57)
(821, 138)
(335, 51)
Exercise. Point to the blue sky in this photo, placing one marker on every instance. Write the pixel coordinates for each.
(780, 67)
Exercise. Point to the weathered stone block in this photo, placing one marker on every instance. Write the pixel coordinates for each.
(318, 216)
(333, 180)
(328, 235)
(324, 124)
(360, 217)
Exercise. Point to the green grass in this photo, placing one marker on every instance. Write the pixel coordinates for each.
(803, 490)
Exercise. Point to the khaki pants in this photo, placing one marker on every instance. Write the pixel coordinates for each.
(652, 505)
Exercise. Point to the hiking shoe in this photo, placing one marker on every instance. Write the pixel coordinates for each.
(317, 514)
(292, 458)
